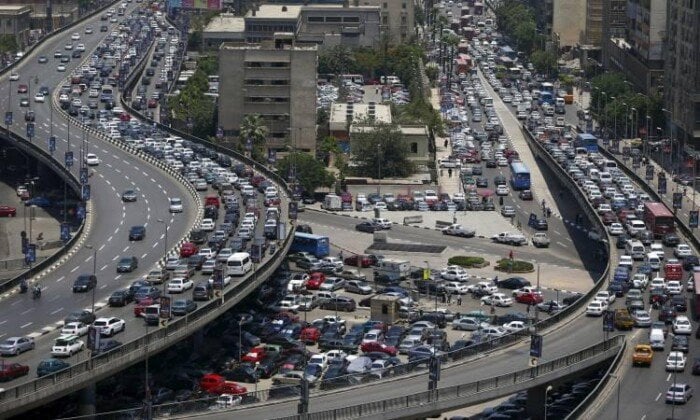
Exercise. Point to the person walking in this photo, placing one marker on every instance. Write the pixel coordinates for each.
(459, 300)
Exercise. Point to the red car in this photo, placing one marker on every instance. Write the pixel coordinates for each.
(217, 384)
(22, 88)
(315, 280)
(377, 346)
(609, 217)
(256, 354)
(7, 211)
(139, 308)
(188, 249)
(10, 371)
(152, 103)
(529, 298)
(310, 335)
(358, 261)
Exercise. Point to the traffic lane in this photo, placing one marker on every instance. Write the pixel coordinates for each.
(556, 344)
(407, 233)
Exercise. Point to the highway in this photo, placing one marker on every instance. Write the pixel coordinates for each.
(111, 218)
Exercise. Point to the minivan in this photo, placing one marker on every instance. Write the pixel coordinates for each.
(635, 249)
(203, 291)
(657, 339)
(238, 264)
(653, 260)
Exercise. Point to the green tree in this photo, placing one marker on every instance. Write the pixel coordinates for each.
(336, 60)
(253, 128)
(310, 173)
(604, 88)
(191, 105)
(8, 44)
(380, 148)
(544, 61)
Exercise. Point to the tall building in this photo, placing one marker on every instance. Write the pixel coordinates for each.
(568, 22)
(397, 18)
(682, 69)
(614, 18)
(594, 23)
(275, 79)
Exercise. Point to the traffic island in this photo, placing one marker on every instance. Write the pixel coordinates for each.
(468, 262)
(507, 265)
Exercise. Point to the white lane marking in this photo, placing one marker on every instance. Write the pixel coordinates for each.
(15, 302)
(668, 378)
(162, 235)
(125, 248)
(144, 255)
(145, 224)
(116, 230)
(88, 258)
(100, 248)
(3, 322)
(26, 325)
(155, 245)
(565, 246)
(103, 267)
(152, 180)
(107, 181)
(57, 311)
(60, 279)
(27, 311)
(117, 277)
(115, 258)
(110, 238)
(658, 396)
(74, 269)
(103, 286)
(556, 231)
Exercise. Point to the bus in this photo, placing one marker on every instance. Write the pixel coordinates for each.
(587, 141)
(317, 245)
(520, 176)
(695, 300)
(546, 87)
(546, 98)
(659, 219)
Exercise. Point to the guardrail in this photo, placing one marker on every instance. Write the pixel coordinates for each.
(429, 401)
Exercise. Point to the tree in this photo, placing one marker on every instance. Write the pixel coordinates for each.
(379, 150)
(192, 106)
(253, 128)
(336, 60)
(604, 88)
(310, 173)
(544, 61)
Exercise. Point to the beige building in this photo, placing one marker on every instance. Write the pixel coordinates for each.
(275, 79)
(416, 138)
(397, 18)
(594, 24)
(262, 23)
(342, 116)
(226, 27)
(15, 20)
(569, 21)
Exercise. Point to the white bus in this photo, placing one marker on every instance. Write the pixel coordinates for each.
(238, 264)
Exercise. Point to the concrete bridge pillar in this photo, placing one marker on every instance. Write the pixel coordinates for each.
(536, 401)
(87, 399)
(197, 339)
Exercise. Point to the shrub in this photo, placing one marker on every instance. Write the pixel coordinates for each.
(465, 261)
(514, 266)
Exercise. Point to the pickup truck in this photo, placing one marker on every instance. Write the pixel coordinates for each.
(459, 230)
(510, 238)
(643, 355)
(540, 240)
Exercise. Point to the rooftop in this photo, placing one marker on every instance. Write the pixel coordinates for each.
(275, 11)
(226, 22)
(339, 114)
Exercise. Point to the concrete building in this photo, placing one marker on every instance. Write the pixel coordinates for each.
(594, 24)
(15, 21)
(342, 116)
(682, 81)
(568, 22)
(226, 27)
(262, 23)
(397, 18)
(275, 79)
(330, 25)
(614, 18)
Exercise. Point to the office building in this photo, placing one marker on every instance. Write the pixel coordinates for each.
(568, 22)
(15, 21)
(397, 19)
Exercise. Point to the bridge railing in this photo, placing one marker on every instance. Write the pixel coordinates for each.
(460, 392)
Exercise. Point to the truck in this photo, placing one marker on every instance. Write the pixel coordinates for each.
(393, 270)
(540, 240)
(643, 355)
(510, 238)
(332, 202)
(458, 230)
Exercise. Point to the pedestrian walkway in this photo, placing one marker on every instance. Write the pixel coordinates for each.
(448, 180)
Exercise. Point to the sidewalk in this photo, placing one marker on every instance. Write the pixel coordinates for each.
(446, 183)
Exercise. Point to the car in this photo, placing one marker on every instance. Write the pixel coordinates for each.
(641, 318)
(146, 294)
(175, 205)
(596, 308)
(515, 326)
(375, 346)
(127, 264)
(179, 285)
(108, 326)
(513, 283)
(10, 371)
(24, 102)
(75, 328)
(183, 306)
(50, 366)
(681, 325)
(39, 98)
(91, 159)
(680, 343)
(468, 324)
(525, 195)
(368, 227)
(679, 393)
(120, 298)
(67, 345)
(497, 299)
(508, 211)
(61, 68)
(137, 233)
(7, 211)
(43, 59)
(682, 251)
(105, 347)
(529, 298)
(85, 316)
(615, 229)
(84, 283)
(14, 346)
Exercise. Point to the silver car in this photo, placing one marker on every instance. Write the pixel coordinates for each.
(16, 345)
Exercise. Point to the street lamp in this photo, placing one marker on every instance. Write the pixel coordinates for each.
(94, 273)
(617, 410)
(240, 339)
(165, 246)
(546, 393)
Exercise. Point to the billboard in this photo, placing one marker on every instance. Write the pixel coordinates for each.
(195, 4)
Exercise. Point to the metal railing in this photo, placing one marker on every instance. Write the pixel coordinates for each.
(427, 399)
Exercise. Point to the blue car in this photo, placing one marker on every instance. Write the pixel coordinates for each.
(622, 274)
(38, 201)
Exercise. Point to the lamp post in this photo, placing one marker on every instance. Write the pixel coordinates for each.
(379, 169)
(546, 393)
(240, 340)
(612, 98)
(617, 409)
(646, 143)
(165, 245)
(627, 111)
(94, 272)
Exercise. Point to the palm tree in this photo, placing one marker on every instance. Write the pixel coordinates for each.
(253, 129)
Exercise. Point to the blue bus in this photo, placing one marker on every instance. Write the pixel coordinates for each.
(546, 98)
(587, 141)
(546, 87)
(317, 245)
(520, 176)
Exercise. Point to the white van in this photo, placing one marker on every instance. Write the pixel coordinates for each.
(635, 249)
(594, 175)
(605, 178)
(238, 264)
(657, 339)
(653, 260)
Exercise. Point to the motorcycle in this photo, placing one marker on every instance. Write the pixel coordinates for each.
(36, 293)
(23, 287)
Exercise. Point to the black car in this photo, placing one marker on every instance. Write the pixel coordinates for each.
(525, 195)
(679, 303)
(84, 283)
(121, 298)
(147, 292)
(183, 306)
(368, 227)
(137, 233)
(513, 283)
(196, 261)
(129, 196)
(267, 368)
(671, 240)
(245, 372)
(690, 261)
(622, 241)
(127, 264)
(84, 316)
(696, 366)
(136, 285)
(680, 343)
(198, 236)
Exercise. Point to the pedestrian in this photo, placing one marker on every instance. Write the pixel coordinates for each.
(549, 212)
(449, 298)
(449, 172)
(685, 191)
(459, 302)
(527, 310)
(543, 204)
(495, 281)
(446, 143)
(510, 255)
(551, 306)
(376, 91)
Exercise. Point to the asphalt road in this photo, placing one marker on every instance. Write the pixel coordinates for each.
(118, 171)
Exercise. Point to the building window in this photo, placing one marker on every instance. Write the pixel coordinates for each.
(351, 19)
(385, 20)
(403, 20)
(414, 147)
(385, 5)
(403, 5)
(333, 19)
(316, 19)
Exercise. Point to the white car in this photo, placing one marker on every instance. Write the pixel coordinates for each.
(469, 324)
(605, 296)
(497, 299)
(615, 229)
(658, 249)
(75, 328)
(208, 266)
(596, 308)
(675, 362)
(682, 251)
(39, 98)
(455, 274)
(626, 261)
(67, 345)
(336, 356)
(109, 326)
(61, 68)
(92, 160)
(674, 287)
(332, 261)
(319, 359)
(175, 205)
(640, 281)
(514, 326)
(75, 36)
(207, 252)
(226, 281)
(502, 189)
(681, 325)
(493, 332)
(207, 225)
(179, 285)
(657, 282)
(223, 254)
(456, 287)
(14, 76)
(382, 223)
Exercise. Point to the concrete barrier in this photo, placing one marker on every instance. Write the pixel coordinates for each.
(412, 219)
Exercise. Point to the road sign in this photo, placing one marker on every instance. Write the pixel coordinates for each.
(30, 256)
(25, 243)
(536, 345)
(30, 130)
(650, 173)
(218, 278)
(86, 192)
(693, 219)
(8, 118)
(533, 361)
(81, 211)
(608, 321)
(93, 338)
(434, 369)
(83, 175)
(52, 144)
(677, 200)
(219, 133)
(255, 253)
(65, 232)
(662, 185)
(272, 156)
(292, 210)
(165, 307)
(69, 159)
